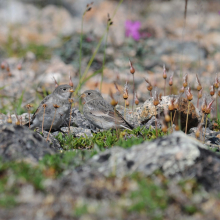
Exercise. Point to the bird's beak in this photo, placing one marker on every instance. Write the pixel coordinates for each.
(71, 90)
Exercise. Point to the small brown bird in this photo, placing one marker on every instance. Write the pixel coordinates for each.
(100, 113)
(59, 97)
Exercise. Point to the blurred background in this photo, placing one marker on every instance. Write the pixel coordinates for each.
(40, 39)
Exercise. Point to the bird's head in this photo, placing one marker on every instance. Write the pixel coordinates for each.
(89, 95)
(63, 92)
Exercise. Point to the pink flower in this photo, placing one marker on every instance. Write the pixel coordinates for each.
(132, 29)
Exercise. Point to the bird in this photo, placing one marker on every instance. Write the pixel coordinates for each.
(57, 101)
(101, 113)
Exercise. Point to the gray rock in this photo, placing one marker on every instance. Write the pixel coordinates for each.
(152, 123)
(130, 117)
(20, 143)
(212, 138)
(171, 154)
(78, 120)
(77, 132)
(54, 144)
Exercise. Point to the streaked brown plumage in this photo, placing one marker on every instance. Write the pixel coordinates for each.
(101, 113)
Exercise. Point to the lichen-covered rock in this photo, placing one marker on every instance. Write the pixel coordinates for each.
(77, 132)
(24, 118)
(172, 154)
(176, 155)
(144, 113)
(129, 116)
(20, 143)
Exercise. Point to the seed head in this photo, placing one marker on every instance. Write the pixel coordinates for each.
(44, 105)
(155, 99)
(149, 86)
(197, 134)
(216, 83)
(212, 90)
(132, 70)
(113, 101)
(70, 81)
(171, 80)
(199, 86)
(164, 127)
(71, 101)
(3, 65)
(185, 80)
(29, 106)
(167, 117)
(189, 94)
(177, 128)
(18, 122)
(209, 107)
(56, 106)
(171, 104)
(88, 7)
(204, 105)
(9, 120)
(164, 72)
(136, 99)
(125, 94)
(56, 84)
(182, 90)
(219, 91)
(110, 22)
(19, 66)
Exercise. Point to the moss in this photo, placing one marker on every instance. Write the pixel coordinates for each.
(108, 138)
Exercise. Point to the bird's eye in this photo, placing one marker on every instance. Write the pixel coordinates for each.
(64, 89)
(89, 93)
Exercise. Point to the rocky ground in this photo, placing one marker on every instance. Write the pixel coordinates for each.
(82, 172)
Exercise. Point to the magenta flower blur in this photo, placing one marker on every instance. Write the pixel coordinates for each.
(132, 29)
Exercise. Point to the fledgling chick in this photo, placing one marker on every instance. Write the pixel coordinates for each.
(100, 113)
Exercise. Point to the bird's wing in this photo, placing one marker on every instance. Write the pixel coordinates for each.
(46, 99)
(100, 108)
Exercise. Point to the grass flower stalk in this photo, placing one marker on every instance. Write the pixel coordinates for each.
(132, 71)
(216, 85)
(189, 98)
(83, 76)
(109, 23)
(156, 103)
(207, 112)
(71, 104)
(165, 77)
(29, 106)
